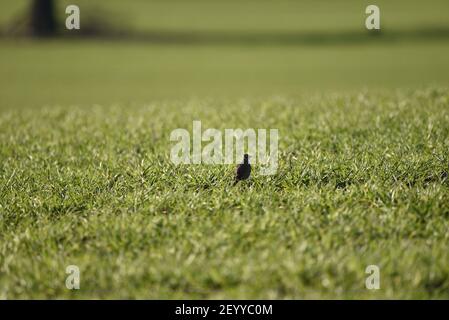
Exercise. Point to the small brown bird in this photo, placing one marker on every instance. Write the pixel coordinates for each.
(243, 170)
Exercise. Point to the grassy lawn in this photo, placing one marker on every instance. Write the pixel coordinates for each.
(100, 72)
(363, 178)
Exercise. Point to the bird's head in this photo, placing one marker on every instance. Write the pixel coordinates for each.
(246, 158)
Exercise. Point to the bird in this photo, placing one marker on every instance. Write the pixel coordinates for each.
(243, 170)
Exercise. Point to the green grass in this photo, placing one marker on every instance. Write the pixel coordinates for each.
(85, 175)
(98, 72)
(363, 179)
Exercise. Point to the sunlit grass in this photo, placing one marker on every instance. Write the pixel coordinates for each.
(362, 179)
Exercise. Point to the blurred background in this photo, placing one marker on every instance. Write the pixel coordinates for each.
(139, 50)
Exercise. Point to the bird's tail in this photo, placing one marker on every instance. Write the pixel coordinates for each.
(235, 182)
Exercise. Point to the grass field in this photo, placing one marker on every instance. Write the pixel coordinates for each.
(89, 72)
(363, 179)
(86, 177)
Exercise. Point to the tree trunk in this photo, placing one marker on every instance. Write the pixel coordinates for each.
(43, 21)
